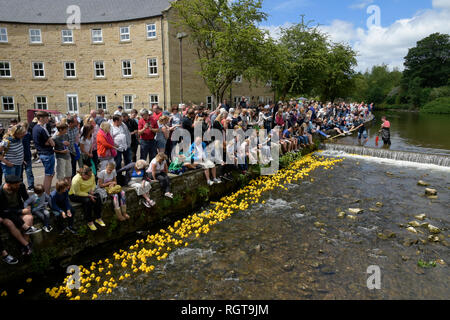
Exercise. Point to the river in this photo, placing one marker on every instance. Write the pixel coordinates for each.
(411, 131)
(292, 243)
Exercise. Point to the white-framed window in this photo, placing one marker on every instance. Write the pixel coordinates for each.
(152, 67)
(151, 31)
(3, 35)
(35, 36)
(38, 70)
(5, 69)
(99, 69)
(268, 99)
(261, 99)
(41, 102)
(67, 36)
(72, 103)
(209, 102)
(128, 102)
(238, 79)
(97, 35)
(69, 69)
(269, 83)
(8, 103)
(236, 101)
(126, 68)
(101, 102)
(154, 99)
(125, 34)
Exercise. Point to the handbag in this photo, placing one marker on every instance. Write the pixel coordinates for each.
(77, 152)
(113, 190)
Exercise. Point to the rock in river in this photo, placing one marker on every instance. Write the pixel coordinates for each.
(414, 224)
(430, 192)
(420, 217)
(411, 229)
(318, 224)
(355, 210)
(379, 204)
(341, 215)
(433, 229)
(422, 183)
(351, 217)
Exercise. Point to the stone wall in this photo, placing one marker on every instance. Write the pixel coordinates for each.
(50, 249)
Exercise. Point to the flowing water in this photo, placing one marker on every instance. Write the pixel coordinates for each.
(281, 250)
(294, 246)
(410, 131)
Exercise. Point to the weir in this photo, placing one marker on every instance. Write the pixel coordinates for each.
(437, 159)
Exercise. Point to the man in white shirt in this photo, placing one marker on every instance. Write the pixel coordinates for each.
(122, 138)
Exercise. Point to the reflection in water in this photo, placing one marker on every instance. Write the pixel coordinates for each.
(410, 131)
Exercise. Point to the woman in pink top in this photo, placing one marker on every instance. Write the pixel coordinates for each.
(385, 131)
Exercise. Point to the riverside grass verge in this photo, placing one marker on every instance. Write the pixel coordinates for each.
(99, 279)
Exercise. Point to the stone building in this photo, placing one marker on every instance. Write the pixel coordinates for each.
(55, 55)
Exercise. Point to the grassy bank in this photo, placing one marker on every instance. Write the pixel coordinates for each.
(440, 105)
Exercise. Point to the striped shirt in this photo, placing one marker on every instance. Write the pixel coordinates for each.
(15, 151)
(73, 138)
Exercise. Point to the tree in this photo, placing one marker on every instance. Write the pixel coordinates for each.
(227, 39)
(429, 62)
(338, 76)
(306, 51)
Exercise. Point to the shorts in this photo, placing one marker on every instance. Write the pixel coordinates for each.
(49, 164)
(364, 134)
(138, 187)
(207, 164)
(160, 144)
(12, 171)
(15, 218)
(63, 168)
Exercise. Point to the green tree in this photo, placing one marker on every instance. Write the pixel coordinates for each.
(306, 49)
(227, 39)
(338, 77)
(428, 61)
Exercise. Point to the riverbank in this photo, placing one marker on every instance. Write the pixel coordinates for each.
(52, 252)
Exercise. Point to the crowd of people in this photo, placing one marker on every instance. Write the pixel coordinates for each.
(94, 157)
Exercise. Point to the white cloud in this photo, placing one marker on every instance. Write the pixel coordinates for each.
(441, 4)
(274, 31)
(340, 31)
(361, 4)
(389, 44)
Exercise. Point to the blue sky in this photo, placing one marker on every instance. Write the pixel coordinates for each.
(402, 24)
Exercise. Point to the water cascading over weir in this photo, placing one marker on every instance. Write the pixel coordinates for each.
(436, 159)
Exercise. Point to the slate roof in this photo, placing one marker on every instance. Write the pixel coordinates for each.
(92, 11)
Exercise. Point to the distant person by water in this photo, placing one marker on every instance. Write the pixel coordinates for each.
(386, 131)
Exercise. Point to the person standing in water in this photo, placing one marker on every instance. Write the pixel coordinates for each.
(386, 131)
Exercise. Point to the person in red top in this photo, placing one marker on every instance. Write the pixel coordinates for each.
(386, 131)
(157, 112)
(147, 128)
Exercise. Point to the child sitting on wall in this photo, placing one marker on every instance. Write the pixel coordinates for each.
(107, 181)
(39, 202)
(140, 181)
(61, 207)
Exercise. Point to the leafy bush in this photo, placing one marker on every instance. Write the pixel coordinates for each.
(440, 92)
(440, 105)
